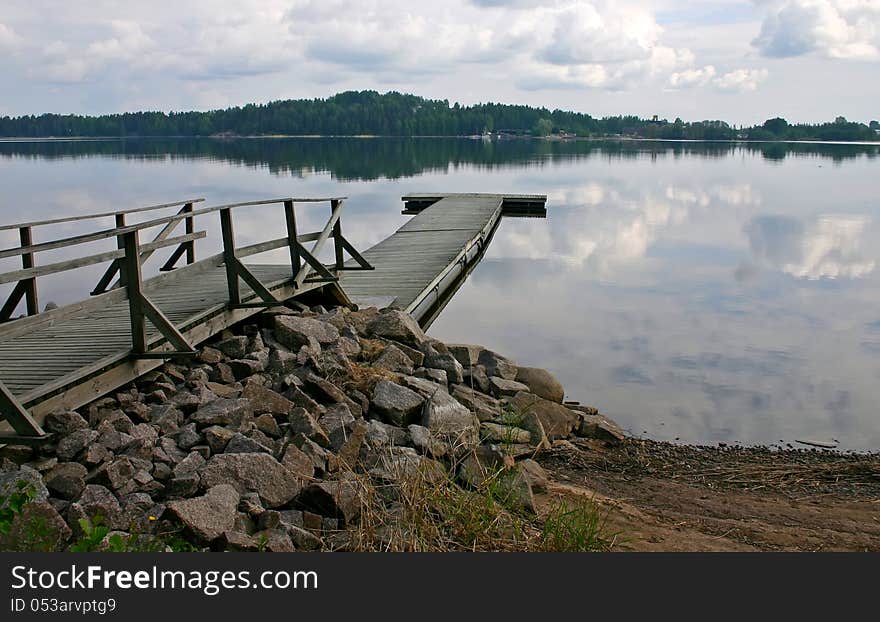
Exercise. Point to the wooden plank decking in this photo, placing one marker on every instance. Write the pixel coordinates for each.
(409, 263)
(82, 351)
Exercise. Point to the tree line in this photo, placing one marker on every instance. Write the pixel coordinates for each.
(397, 114)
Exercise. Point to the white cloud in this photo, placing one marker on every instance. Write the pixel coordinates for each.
(830, 247)
(8, 39)
(843, 29)
(691, 77)
(741, 80)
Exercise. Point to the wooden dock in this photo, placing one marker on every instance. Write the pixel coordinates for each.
(427, 259)
(69, 356)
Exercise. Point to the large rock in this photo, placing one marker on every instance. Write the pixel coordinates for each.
(338, 422)
(484, 406)
(326, 391)
(97, 501)
(599, 427)
(72, 444)
(64, 422)
(296, 332)
(38, 527)
(209, 516)
(235, 347)
(217, 438)
(302, 422)
(535, 473)
(223, 412)
(401, 464)
(501, 387)
(499, 433)
(339, 499)
(265, 400)
(465, 353)
(437, 358)
(398, 326)
(241, 444)
(516, 490)
(281, 362)
(541, 382)
(482, 463)
(395, 403)
(359, 320)
(13, 481)
(454, 423)
(497, 365)
(557, 420)
(381, 434)
(66, 480)
(395, 360)
(252, 472)
(298, 462)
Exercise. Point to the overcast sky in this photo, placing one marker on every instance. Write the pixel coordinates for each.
(738, 60)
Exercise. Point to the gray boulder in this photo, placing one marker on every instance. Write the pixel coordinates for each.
(395, 403)
(64, 422)
(395, 360)
(26, 476)
(265, 400)
(302, 422)
(465, 353)
(541, 382)
(499, 433)
(252, 472)
(72, 444)
(66, 480)
(599, 427)
(209, 516)
(497, 365)
(445, 361)
(223, 412)
(295, 332)
(397, 325)
(454, 423)
(501, 387)
(337, 499)
(557, 420)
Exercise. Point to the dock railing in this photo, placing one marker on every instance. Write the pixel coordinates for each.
(127, 261)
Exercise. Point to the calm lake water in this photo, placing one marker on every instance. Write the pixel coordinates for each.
(699, 292)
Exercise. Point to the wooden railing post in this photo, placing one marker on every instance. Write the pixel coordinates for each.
(131, 272)
(292, 243)
(27, 261)
(190, 228)
(229, 256)
(337, 234)
(120, 243)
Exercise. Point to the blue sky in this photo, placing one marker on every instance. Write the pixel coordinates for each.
(738, 60)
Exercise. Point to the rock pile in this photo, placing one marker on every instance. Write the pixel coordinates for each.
(263, 439)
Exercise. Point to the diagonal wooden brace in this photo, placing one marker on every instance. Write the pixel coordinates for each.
(363, 263)
(18, 417)
(259, 289)
(315, 265)
(165, 326)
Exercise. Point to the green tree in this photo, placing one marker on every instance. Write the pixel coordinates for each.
(543, 127)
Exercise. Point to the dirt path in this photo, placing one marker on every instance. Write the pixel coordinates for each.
(663, 497)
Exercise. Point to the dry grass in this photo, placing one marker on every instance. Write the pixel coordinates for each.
(364, 378)
(426, 509)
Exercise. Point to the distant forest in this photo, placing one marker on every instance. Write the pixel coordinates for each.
(395, 114)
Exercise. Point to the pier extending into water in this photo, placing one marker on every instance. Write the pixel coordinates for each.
(69, 356)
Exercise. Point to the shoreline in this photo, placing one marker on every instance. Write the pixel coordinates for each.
(610, 138)
(350, 429)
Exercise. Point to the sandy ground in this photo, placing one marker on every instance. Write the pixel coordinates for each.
(664, 497)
